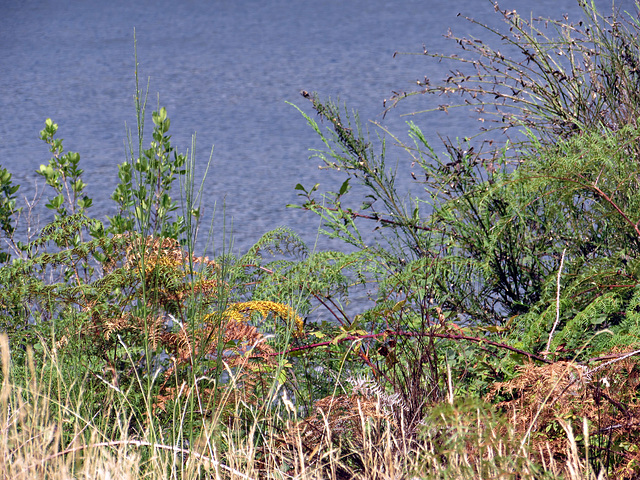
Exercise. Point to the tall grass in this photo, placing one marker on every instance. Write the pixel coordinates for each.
(460, 440)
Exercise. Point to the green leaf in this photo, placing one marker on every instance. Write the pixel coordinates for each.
(345, 187)
(55, 202)
(340, 337)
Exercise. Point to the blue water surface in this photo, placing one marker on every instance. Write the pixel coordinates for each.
(226, 70)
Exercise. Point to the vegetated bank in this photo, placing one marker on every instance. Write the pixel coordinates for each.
(504, 336)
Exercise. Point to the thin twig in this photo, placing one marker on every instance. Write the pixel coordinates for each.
(555, 324)
(375, 217)
(600, 367)
(450, 336)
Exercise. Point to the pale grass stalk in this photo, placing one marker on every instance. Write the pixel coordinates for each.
(142, 443)
(449, 384)
(577, 468)
(555, 324)
(5, 358)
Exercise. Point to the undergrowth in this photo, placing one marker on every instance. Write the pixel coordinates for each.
(503, 337)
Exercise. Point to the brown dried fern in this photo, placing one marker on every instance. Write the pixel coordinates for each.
(232, 339)
(543, 397)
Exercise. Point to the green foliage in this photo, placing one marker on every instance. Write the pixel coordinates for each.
(129, 308)
(592, 182)
(7, 208)
(143, 194)
(478, 253)
(513, 252)
(351, 151)
(63, 175)
(280, 266)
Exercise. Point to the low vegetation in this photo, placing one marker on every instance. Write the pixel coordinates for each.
(503, 336)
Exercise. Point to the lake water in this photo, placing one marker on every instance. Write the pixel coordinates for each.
(223, 69)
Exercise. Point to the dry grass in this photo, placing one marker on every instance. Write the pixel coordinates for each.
(361, 435)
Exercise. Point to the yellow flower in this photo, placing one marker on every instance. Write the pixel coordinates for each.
(238, 312)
